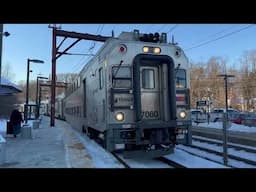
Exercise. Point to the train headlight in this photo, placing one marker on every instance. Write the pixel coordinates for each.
(119, 116)
(157, 50)
(183, 114)
(145, 49)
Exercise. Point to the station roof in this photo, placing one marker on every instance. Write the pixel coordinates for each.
(8, 88)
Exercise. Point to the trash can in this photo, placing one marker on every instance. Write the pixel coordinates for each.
(35, 124)
(9, 128)
(26, 132)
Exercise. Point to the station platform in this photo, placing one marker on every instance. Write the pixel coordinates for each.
(49, 147)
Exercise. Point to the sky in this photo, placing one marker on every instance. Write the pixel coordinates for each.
(200, 42)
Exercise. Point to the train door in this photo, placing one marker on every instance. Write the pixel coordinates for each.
(154, 91)
(150, 92)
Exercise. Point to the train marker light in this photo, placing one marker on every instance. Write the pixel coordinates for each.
(122, 48)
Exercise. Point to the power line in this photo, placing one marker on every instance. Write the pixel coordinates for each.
(212, 35)
(161, 28)
(221, 37)
(172, 28)
(89, 51)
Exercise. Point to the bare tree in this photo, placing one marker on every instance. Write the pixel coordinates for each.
(7, 72)
(248, 79)
(197, 82)
(205, 83)
(215, 85)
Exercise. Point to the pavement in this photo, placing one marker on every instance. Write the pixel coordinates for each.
(50, 147)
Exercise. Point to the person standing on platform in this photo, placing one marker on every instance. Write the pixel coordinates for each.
(15, 121)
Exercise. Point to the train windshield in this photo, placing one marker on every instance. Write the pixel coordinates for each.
(180, 78)
(121, 77)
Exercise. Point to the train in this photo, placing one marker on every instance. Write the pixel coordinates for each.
(133, 96)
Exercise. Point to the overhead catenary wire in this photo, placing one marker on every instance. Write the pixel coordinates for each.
(172, 28)
(212, 35)
(161, 28)
(221, 37)
(89, 51)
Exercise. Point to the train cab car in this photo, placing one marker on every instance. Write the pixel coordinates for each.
(126, 95)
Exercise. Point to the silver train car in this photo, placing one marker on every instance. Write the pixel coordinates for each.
(125, 96)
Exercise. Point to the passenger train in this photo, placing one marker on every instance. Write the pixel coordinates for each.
(133, 95)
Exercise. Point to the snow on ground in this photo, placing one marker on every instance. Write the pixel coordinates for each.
(191, 161)
(2, 125)
(100, 157)
(234, 127)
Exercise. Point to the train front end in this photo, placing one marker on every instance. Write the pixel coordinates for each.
(143, 96)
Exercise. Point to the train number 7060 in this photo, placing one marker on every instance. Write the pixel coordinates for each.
(149, 114)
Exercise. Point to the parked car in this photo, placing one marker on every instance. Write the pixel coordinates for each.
(198, 116)
(217, 114)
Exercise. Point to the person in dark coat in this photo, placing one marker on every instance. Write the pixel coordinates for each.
(15, 121)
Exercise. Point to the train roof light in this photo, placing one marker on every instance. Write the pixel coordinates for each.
(150, 37)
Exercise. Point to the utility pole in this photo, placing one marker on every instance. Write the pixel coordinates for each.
(1, 45)
(56, 53)
(225, 122)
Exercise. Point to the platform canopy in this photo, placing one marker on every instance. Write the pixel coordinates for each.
(8, 88)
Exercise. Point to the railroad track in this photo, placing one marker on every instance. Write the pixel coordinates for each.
(248, 161)
(160, 162)
(171, 163)
(219, 143)
(121, 160)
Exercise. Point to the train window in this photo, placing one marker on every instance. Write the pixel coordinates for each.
(101, 77)
(121, 77)
(148, 79)
(181, 78)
